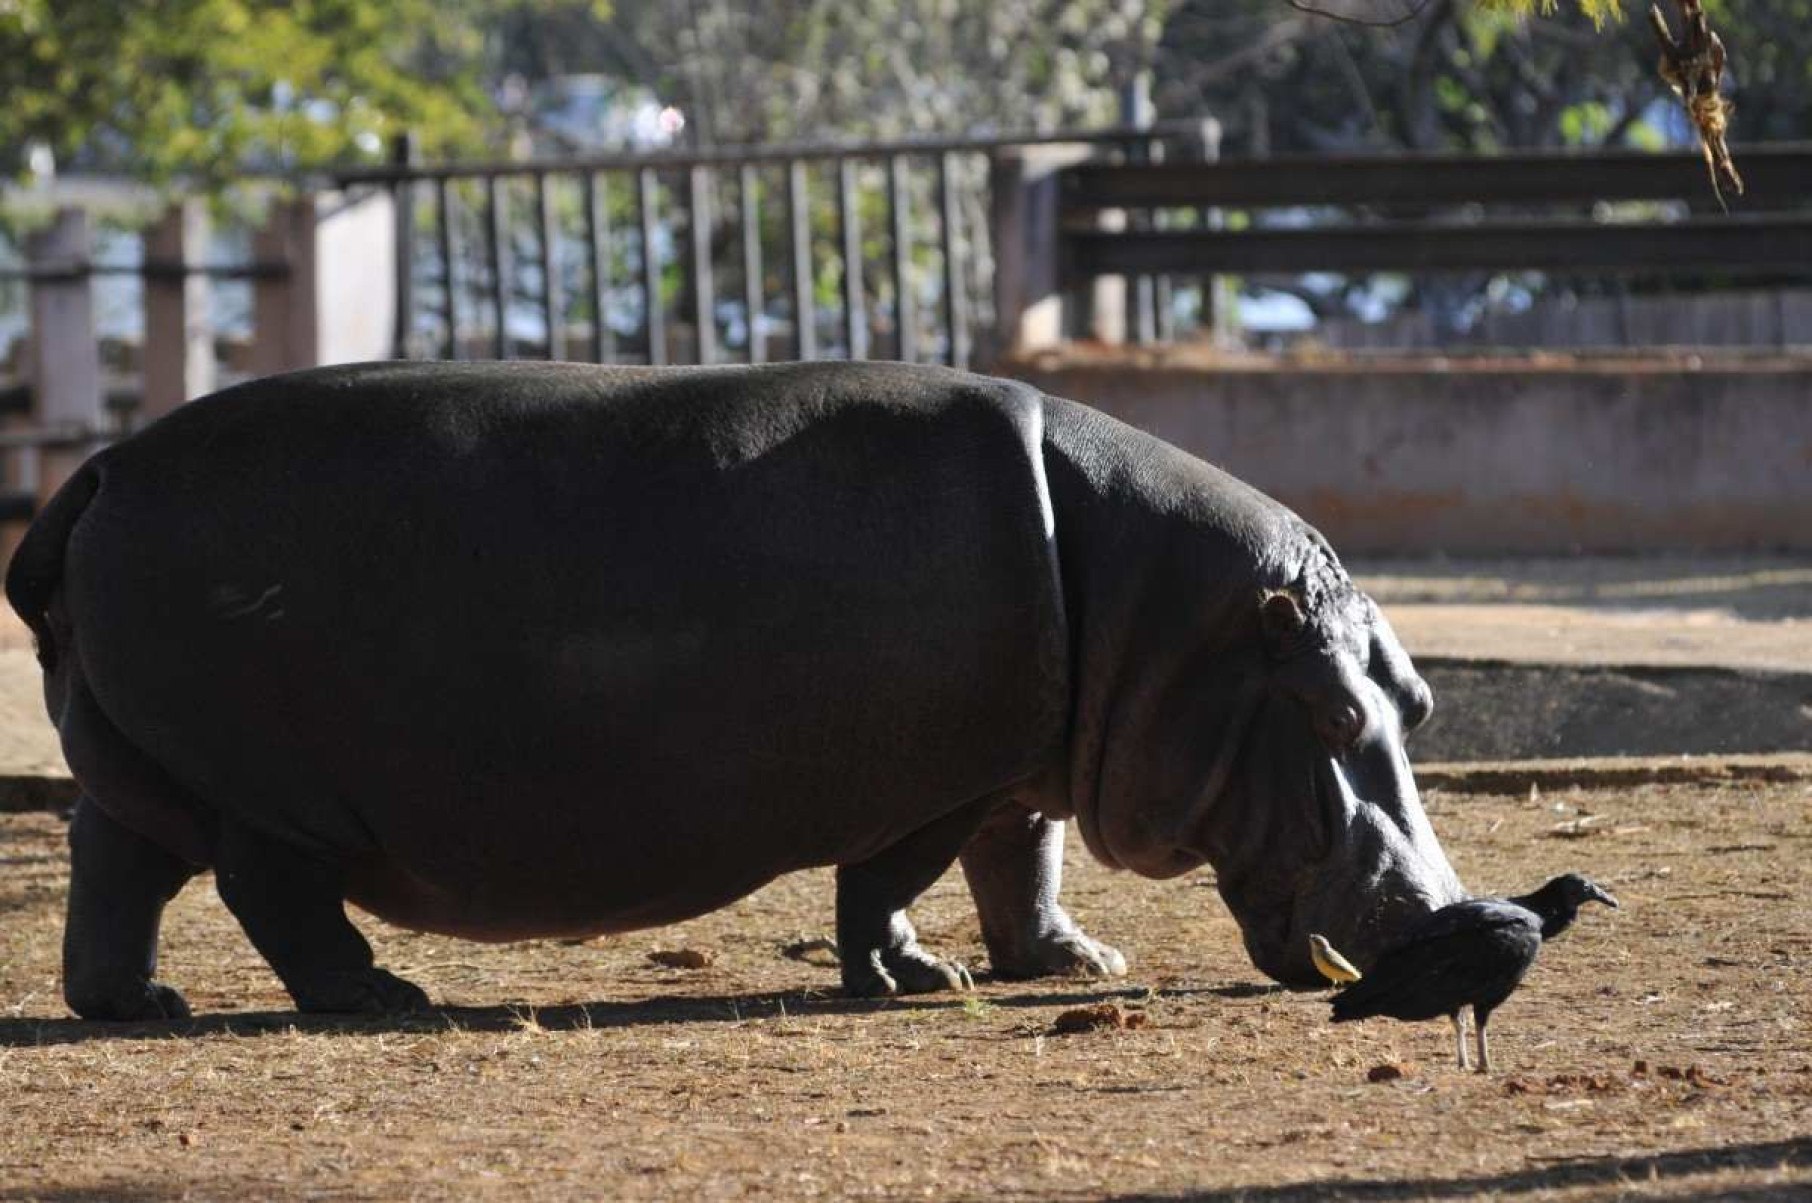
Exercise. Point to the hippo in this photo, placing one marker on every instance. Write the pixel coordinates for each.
(519, 650)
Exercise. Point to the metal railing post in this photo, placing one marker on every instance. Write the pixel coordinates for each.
(553, 294)
(956, 300)
(799, 218)
(654, 316)
(497, 258)
(849, 223)
(597, 259)
(402, 196)
(899, 212)
(449, 274)
(749, 201)
(704, 290)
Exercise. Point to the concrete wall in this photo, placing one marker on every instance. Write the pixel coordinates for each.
(1606, 458)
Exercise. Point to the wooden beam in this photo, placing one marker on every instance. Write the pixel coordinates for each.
(1780, 173)
(1733, 245)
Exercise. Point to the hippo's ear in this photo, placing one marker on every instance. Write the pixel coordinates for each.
(1280, 618)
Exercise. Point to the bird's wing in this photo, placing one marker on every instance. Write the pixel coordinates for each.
(1474, 957)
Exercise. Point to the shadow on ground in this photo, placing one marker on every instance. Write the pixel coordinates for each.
(673, 1009)
(1650, 1172)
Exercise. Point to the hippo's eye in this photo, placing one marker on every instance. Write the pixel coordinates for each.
(1340, 725)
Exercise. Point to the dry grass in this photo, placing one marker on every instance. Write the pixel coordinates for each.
(587, 1071)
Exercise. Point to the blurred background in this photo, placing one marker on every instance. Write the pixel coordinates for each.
(1448, 277)
(1455, 242)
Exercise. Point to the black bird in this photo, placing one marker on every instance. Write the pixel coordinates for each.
(1472, 953)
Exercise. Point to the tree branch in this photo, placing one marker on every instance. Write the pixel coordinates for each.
(1302, 6)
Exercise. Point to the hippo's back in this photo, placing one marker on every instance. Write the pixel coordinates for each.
(543, 648)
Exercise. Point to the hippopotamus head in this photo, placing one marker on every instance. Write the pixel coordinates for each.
(1345, 850)
(1264, 734)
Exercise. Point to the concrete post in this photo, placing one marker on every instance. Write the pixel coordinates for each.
(65, 351)
(1107, 306)
(1025, 211)
(179, 333)
(335, 299)
(285, 333)
(1220, 302)
(1142, 295)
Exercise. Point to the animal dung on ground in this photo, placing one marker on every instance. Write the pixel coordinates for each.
(1390, 1071)
(683, 958)
(1097, 1017)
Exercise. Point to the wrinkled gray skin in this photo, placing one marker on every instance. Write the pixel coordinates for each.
(509, 651)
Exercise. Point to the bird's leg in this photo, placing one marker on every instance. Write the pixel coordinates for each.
(1459, 1037)
(1484, 1043)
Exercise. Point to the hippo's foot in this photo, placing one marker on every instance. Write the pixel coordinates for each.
(875, 941)
(1015, 868)
(127, 1003)
(371, 991)
(292, 905)
(907, 969)
(1065, 952)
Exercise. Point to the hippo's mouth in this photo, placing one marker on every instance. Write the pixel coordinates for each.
(1286, 944)
(1200, 839)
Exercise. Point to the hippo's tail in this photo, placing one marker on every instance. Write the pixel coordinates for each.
(36, 570)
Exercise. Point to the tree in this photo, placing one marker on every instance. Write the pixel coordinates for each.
(1457, 77)
(211, 88)
(761, 70)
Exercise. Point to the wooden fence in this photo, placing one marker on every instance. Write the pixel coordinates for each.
(308, 254)
(952, 251)
(1606, 213)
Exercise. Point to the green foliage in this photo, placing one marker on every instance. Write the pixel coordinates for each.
(806, 69)
(1463, 76)
(207, 88)
(1600, 11)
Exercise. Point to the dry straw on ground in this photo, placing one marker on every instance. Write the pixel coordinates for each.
(1660, 1050)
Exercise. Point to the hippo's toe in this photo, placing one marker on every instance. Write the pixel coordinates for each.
(132, 1002)
(909, 970)
(359, 992)
(1070, 953)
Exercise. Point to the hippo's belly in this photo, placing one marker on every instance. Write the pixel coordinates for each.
(586, 669)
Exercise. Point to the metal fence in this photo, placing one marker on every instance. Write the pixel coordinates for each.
(817, 251)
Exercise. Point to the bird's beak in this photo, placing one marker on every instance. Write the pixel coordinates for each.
(1604, 897)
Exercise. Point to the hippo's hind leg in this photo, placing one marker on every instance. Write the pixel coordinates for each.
(878, 948)
(118, 885)
(1014, 864)
(292, 906)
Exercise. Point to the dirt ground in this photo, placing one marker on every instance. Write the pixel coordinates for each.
(1741, 612)
(1661, 1050)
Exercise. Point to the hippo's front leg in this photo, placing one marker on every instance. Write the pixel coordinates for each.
(1014, 864)
(876, 944)
(293, 907)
